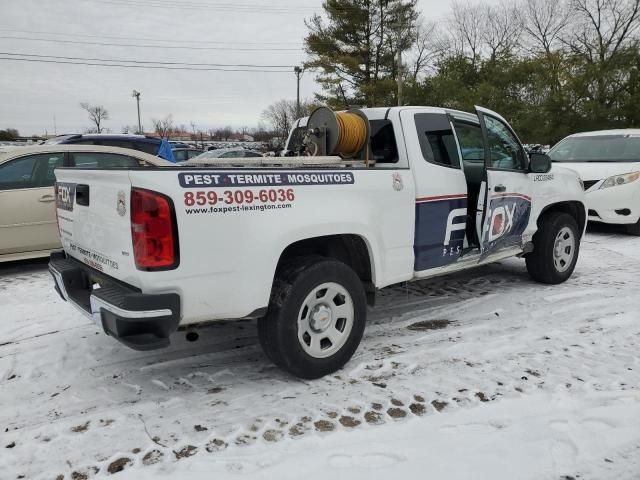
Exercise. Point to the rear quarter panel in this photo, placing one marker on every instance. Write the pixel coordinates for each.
(229, 250)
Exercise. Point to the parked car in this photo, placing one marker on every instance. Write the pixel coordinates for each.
(304, 243)
(184, 154)
(27, 214)
(150, 145)
(228, 153)
(608, 162)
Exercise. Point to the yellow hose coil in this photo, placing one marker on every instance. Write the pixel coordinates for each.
(352, 134)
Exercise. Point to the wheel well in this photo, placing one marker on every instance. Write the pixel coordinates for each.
(573, 208)
(347, 248)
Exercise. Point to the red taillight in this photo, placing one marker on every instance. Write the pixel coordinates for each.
(155, 241)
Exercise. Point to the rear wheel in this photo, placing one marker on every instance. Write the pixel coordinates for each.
(634, 229)
(316, 317)
(556, 247)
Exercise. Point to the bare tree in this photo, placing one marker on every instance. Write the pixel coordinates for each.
(130, 129)
(97, 114)
(603, 27)
(429, 45)
(281, 116)
(501, 30)
(601, 36)
(164, 126)
(467, 24)
(226, 132)
(544, 22)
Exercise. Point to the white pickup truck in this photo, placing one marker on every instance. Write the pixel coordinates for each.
(303, 243)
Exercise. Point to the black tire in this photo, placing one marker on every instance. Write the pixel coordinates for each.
(634, 229)
(278, 330)
(540, 263)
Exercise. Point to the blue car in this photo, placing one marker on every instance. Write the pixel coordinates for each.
(151, 145)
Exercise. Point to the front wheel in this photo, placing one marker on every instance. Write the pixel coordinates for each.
(556, 246)
(316, 317)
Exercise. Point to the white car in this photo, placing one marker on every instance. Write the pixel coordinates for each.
(608, 163)
(28, 226)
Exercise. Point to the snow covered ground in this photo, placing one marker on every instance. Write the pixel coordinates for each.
(479, 375)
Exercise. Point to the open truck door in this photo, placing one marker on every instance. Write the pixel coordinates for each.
(504, 203)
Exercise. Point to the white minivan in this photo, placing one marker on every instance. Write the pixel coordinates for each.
(608, 163)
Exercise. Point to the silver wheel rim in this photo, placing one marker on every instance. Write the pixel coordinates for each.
(325, 320)
(564, 249)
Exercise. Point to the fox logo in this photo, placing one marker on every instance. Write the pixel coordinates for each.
(500, 221)
(454, 225)
(64, 194)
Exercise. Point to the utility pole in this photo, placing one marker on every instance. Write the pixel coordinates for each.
(400, 79)
(298, 71)
(136, 95)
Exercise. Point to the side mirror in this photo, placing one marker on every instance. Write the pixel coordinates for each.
(539, 163)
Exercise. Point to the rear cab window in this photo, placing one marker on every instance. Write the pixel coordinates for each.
(383, 142)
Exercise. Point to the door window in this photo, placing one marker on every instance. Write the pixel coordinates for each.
(50, 163)
(471, 142)
(506, 152)
(102, 160)
(33, 171)
(20, 173)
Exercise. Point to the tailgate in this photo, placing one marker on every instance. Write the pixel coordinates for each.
(94, 220)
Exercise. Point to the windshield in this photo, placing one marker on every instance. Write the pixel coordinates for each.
(601, 148)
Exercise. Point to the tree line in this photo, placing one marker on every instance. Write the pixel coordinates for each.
(551, 67)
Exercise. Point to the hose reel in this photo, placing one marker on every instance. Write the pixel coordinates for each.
(337, 133)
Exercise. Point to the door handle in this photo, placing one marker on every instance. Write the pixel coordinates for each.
(499, 188)
(46, 198)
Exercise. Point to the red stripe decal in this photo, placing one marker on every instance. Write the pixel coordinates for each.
(519, 195)
(441, 197)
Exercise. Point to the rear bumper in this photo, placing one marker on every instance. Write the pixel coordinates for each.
(139, 321)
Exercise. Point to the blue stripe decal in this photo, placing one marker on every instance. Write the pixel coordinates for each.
(506, 220)
(439, 233)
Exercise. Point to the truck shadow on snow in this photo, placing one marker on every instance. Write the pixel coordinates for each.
(223, 345)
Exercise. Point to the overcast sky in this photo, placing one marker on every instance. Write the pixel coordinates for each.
(259, 32)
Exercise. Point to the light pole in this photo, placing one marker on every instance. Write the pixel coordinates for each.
(298, 71)
(136, 94)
